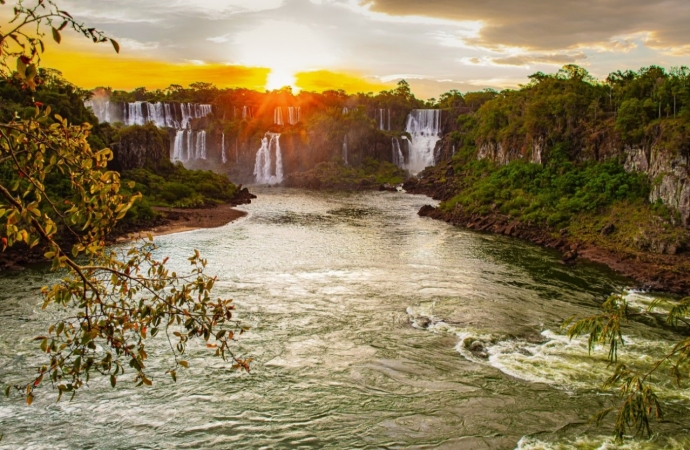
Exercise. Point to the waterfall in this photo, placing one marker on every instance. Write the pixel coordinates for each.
(134, 113)
(294, 115)
(161, 114)
(346, 111)
(200, 145)
(278, 116)
(222, 148)
(345, 150)
(384, 123)
(424, 126)
(190, 139)
(265, 171)
(178, 147)
(100, 108)
(398, 157)
(246, 113)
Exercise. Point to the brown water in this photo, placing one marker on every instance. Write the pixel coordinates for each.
(359, 310)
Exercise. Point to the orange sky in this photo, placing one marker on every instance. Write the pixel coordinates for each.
(89, 68)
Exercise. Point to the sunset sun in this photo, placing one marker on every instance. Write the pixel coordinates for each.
(286, 48)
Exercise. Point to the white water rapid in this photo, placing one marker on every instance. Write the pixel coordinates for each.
(269, 170)
(424, 126)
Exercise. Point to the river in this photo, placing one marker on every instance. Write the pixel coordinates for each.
(362, 317)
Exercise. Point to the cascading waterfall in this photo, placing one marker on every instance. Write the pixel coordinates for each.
(200, 145)
(398, 157)
(345, 150)
(189, 145)
(222, 149)
(265, 171)
(345, 110)
(294, 114)
(190, 140)
(170, 115)
(278, 116)
(424, 126)
(384, 119)
(178, 146)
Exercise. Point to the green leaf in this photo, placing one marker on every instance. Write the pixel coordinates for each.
(113, 381)
(21, 67)
(56, 35)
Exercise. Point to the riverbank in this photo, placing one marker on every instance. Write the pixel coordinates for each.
(636, 246)
(177, 220)
(166, 221)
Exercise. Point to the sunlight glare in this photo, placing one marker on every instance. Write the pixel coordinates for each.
(279, 78)
(286, 48)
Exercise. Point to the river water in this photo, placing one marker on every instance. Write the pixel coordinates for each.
(370, 328)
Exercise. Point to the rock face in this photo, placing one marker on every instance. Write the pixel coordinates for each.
(669, 174)
(140, 146)
(500, 153)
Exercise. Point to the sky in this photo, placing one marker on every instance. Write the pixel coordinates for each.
(366, 45)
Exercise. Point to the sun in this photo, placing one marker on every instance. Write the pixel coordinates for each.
(287, 48)
(279, 78)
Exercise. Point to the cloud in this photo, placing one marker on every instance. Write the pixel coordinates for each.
(551, 25)
(528, 59)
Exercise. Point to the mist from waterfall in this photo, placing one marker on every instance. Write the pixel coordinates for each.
(424, 127)
(269, 170)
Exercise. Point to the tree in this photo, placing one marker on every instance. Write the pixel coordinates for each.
(640, 403)
(112, 302)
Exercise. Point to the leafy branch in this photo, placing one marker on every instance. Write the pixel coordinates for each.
(640, 403)
(112, 303)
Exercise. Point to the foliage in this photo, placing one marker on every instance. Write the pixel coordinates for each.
(551, 194)
(571, 106)
(636, 387)
(173, 185)
(111, 303)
